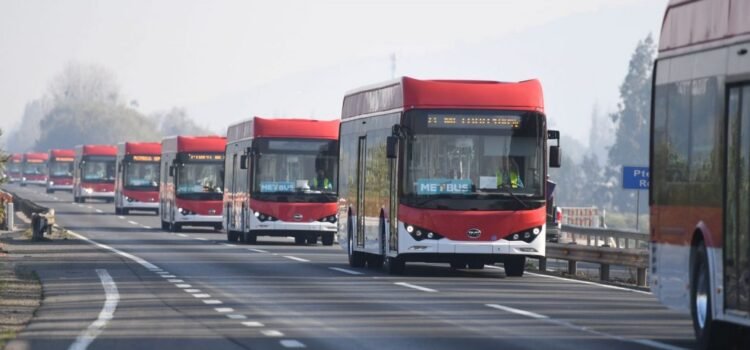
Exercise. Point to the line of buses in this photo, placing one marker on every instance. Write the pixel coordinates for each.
(415, 170)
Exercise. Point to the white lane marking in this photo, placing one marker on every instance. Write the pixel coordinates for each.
(236, 317)
(292, 344)
(517, 311)
(55, 198)
(257, 250)
(272, 333)
(183, 286)
(140, 261)
(224, 309)
(112, 297)
(229, 245)
(296, 258)
(182, 235)
(566, 324)
(414, 286)
(202, 295)
(133, 222)
(99, 211)
(212, 302)
(345, 271)
(168, 276)
(201, 239)
(146, 227)
(175, 280)
(89, 207)
(252, 324)
(162, 272)
(192, 290)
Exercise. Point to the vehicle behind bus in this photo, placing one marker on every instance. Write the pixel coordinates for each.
(700, 168)
(14, 168)
(281, 180)
(444, 171)
(60, 170)
(94, 173)
(192, 182)
(137, 177)
(34, 169)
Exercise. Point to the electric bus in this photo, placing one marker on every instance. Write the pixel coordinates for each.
(60, 170)
(94, 173)
(34, 169)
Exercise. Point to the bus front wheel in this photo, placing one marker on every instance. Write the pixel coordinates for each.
(709, 333)
(395, 265)
(327, 239)
(514, 266)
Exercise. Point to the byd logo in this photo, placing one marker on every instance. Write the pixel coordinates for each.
(474, 233)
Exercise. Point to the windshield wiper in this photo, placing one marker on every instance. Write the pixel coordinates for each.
(507, 188)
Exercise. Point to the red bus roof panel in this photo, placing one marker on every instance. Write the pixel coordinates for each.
(284, 128)
(208, 144)
(62, 153)
(140, 148)
(36, 156)
(409, 93)
(97, 150)
(16, 157)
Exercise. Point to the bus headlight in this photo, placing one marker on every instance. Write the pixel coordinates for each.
(88, 190)
(51, 183)
(264, 217)
(527, 235)
(330, 218)
(185, 211)
(420, 234)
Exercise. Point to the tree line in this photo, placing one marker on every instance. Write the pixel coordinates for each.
(84, 104)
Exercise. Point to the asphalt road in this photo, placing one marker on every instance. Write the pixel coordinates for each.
(194, 290)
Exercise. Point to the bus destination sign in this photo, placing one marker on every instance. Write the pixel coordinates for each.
(64, 159)
(473, 121)
(146, 158)
(204, 157)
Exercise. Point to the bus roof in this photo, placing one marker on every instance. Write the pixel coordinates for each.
(690, 23)
(36, 156)
(62, 153)
(408, 93)
(284, 128)
(96, 150)
(210, 144)
(16, 157)
(139, 148)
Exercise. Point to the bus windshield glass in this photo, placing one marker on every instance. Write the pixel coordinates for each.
(141, 175)
(305, 170)
(13, 167)
(98, 169)
(61, 169)
(202, 180)
(35, 168)
(468, 154)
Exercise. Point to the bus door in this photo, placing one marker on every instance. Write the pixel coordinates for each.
(737, 201)
(361, 176)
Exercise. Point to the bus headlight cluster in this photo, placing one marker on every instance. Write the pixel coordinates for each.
(184, 211)
(264, 217)
(51, 183)
(331, 218)
(419, 233)
(133, 200)
(88, 190)
(527, 236)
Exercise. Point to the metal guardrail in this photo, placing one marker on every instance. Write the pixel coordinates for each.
(614, 250)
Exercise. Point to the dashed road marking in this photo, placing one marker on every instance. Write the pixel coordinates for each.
(414, 286)
(146, 227)
(296, 258)
(192, 290)
(292, 344)
(257, 250)
(175, 280)
(351, 272)
(228, 244)
(202, 295)
(224, 309)
(168, 276)
(183, 286)
(236, 317)
(201, 239)
(518, 311)
(212, 302)
(121, 217)
(162, 272)
(99, 211)
(271, 333)
(182, 235)
(252, 324)
(133, 222)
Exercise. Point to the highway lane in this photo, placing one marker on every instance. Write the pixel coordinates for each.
(308, 296)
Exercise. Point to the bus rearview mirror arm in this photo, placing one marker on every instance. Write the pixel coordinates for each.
(391, 147)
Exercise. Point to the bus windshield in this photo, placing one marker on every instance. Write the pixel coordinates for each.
(35, 168)
(141, 176)
(61, 169)
(98, 170)
(476, 155)
(200, 181)
(13, 167)
(296, 170)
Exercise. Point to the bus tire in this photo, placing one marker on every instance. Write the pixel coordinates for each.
(125, 211)
(709, 333)
(375, 262)
(312, 239)
(458, 265)
(476, 265)
(50, 191)
(251, 238)
(175, 227)
(514, 266)
(232, 236)
(164, 225)
(299, 240)
(395, 266)
(327, 239)
(118, 211)
(356, 259)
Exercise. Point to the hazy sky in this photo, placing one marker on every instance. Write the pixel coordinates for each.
(228, 60)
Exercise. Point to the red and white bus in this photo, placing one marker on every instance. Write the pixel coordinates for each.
(137, 177)
(14, 167)
(34, 169)
(700, 166)
(444, 171)
(60, 170)
(94, 173)
(281, 179)
(192, 181)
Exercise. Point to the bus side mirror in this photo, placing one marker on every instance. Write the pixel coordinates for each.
(555, 157)
(391, 145)
(243, 162)
(171, 170)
